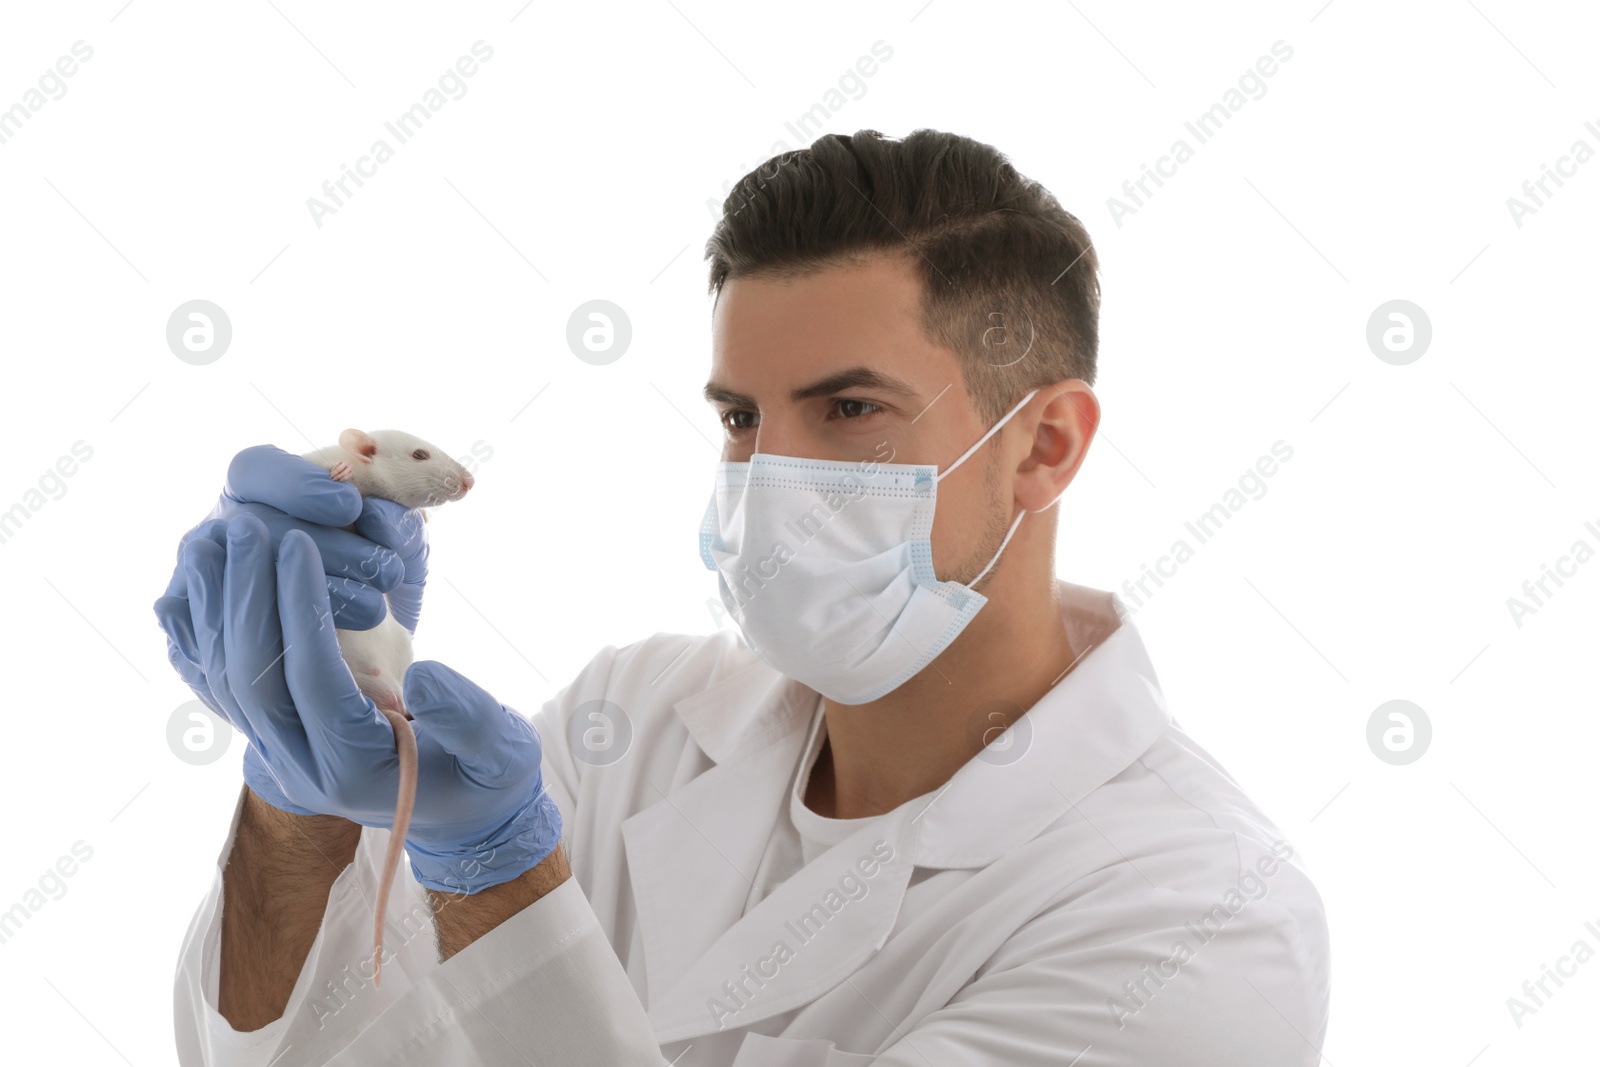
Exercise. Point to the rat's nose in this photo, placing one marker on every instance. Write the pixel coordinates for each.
(466, 481)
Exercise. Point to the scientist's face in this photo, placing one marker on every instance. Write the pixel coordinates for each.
(834, 366)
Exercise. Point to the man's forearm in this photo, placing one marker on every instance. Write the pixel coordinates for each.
(461, 919)
(274, 893)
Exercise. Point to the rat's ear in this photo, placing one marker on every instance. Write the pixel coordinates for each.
(360, 442)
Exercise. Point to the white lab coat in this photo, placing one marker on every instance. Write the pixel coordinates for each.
(1110, 897)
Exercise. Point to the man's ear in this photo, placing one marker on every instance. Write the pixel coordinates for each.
(1069, 415)
(360, 443)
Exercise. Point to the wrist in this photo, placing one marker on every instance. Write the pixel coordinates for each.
(298, 841)
(461, 918)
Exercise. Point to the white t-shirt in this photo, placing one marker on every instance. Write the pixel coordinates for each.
(800, 835)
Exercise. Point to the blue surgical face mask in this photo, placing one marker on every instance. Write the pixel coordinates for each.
(828, 568)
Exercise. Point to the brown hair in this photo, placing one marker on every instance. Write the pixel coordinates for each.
(1004, 268)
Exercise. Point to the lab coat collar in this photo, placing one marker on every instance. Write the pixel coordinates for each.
(710, 966)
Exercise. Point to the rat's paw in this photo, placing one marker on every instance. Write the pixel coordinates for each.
(341, 471)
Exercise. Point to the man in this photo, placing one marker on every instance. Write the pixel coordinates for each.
(931, 810)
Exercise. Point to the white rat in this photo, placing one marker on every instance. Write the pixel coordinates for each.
(411, 472)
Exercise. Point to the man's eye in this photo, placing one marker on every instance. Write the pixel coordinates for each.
(732, 420)
(852, 409)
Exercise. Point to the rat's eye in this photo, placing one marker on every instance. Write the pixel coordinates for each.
(420, 454)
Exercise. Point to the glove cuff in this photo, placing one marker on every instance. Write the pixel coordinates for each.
(517, 846)
(262, 784)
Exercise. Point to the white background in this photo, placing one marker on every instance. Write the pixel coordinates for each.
(579, 165)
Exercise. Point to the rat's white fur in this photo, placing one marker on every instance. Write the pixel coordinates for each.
(383, 464)
(378, 659)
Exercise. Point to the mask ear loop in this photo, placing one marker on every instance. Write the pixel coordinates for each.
(1053, 503)
(1014, 524)
(979, 443)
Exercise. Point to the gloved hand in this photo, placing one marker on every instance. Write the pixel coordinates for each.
(388, 554)
(263, 635)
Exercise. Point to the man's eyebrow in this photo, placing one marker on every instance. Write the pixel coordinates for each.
(852, 378)
(716, 394)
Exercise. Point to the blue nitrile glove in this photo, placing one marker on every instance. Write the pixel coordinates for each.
(389, 555)
(262, 628)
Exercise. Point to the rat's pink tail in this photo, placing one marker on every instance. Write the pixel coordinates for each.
(405, 743)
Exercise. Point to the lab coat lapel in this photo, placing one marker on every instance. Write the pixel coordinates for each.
(692, 854)
(708, 965)
(808, 935)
